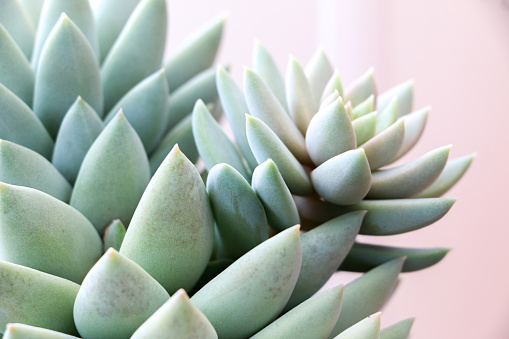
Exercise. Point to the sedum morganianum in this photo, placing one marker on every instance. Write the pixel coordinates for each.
(107, 225)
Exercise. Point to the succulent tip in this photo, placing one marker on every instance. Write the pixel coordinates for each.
(175, 149)
(181, 294)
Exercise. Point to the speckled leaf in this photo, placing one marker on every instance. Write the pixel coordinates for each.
(265, 144)
(363, 257)
(36, 298)
(254, 289)
(21, 125)
(365, 107)
(387, 117)
(214, 268)
(114, 235)
(115, 298)
(361, 88)
(368, 328)
(404, 94)
(17, 22)
(137, 52)
(400, 330)
(213, 144)
(177, 318)
(113, 175)
(175, 213)
(382, 149)
(344, 179)
(408, 179)
(263, 104)
(364, 127)
(33, 9)
(452, 173)
(196, 54)
(313, 319)
(275, 196)
(302, 106)
(56, 86)
(334, 84)
(319, 70)
(80, 127)
(110, 17)
(235, 108)
(330, 133)
(329, 99)
(24, 167)
(265, 66)
(367, 294)
(22, 331)
(41, 232)
(15, 71)
(323, 250)
(145, 107)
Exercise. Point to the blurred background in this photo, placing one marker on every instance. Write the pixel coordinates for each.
(457, 51)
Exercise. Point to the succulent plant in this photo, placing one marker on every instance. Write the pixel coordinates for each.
(104, 217)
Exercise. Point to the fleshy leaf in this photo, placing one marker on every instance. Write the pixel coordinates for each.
(334, 84)
(115, 298)
(409, 179)
(113, 175)
(302, 106)
(329, 99)
(80, 127)
(196, 54)
(145, 107)
(330, 133)
(313, 319)
(319, 70)
(382, 149)
(212, 143)
(16, 21)
(137, 52)
(364, 127)
(264, 105)
(275, 196)
(24, 167)
(214, 268)
(344, 179)
(368, 328)
(254, 289)
(114, 235)
(15, 71)
(56, 86)
(367, 294)
(323, 250)
(177, 318)
(414, 126)
(361, 88)
(239, 214)
(173, 213)
(41, 232)
(22, 331)
(21, 125)
(265, 144)
(363, 257)
(400, 330)
(404, 94)
(387, 117)
(33, 9)
(363, 108)
(452, 173)
(35, 298)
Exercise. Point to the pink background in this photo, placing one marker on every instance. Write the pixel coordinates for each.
(458, 53)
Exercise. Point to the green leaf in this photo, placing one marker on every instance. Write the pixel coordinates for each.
(364, 108)
(330, 133)
(22, 331)
(364, 127)
(115, 298)
(235, 108)
(367, 294)
(329, 99)
(452, 173)
(177, 318)
(214, 268)
(212, 143)
(334, 84)
(80, 127)
(404, 94)
(113, 175)
(323, 250)
(264, 105)
(409, 179)
(344, 179)
(114, 235)
(110, 18)
(239, 214)
(24, 167)
(196, 54)
(21, 125)
(173, 213)
(319, 70)
(145, 107)
(44, 233)
(400, 330)
(363, 257)
(414, 126)
(15, 71)
(36, 298)
(382, 149)
(368, 328)
(33, 9)
(56, 87)
(254, 289)
(313, 319)
(17, 22)
(301, 103)
(137, 52)
(361, 88)
(275, 196)
(387, 117)
(265, 144)
(80, 13)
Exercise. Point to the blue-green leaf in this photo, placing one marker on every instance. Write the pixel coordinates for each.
(22, 331)
(382, 149)
(400, 330)
(414, 126)
(319, 71)
(387, 117)
(114, 235)
(334, 84)
(364, 127)
(363, 108)
(404, 94)
(368, 328)
(361, 88)
(33, 9)
(17, 22)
